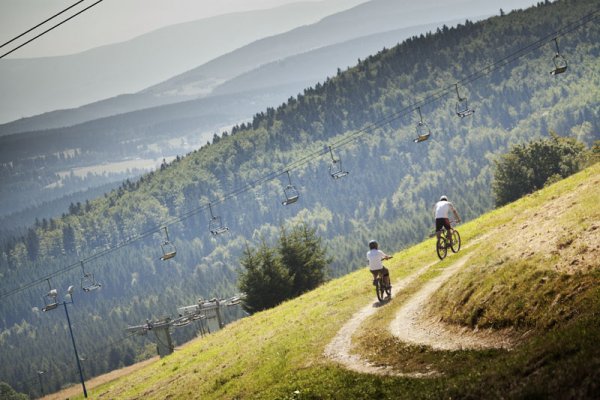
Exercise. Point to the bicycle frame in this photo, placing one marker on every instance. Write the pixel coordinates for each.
(381, 289)
(448, 239)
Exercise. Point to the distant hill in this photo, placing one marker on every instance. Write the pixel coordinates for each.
(40, 85)
(375, 16)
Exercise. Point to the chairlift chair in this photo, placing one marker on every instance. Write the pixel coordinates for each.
(181, 321)
(168, 249)
(50, 299)
(423, 131)
(215, 225)
(88, 283)
(234, 301)
(290, 192)
(335, 169)
(462, 107)
(560, 63)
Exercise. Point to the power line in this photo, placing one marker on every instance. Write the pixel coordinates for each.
(310, 156)
(49, 29)
(40, 24)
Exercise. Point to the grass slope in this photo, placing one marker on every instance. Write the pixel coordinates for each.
(536, 273)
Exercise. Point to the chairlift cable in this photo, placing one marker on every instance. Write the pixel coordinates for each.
(40, 24)
(49, 29)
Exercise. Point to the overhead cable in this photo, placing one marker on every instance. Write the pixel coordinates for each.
(40, 24)
(49, 29)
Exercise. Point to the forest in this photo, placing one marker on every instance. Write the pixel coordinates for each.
(366, 116)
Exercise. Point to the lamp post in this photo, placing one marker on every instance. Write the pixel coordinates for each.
(40, 373)
(51, 306)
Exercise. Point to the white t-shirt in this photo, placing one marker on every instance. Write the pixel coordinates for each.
(442, 209)
(375, 257)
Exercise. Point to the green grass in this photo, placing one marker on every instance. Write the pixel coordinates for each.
(548, 298)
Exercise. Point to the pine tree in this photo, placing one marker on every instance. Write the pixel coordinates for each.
(265, 282)
(304, 257)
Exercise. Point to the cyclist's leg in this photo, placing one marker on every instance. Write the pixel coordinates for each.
(386, 277)
(448, 230)
(439, 226)
(374, 273)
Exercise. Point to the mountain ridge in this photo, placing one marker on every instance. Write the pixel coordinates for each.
(123, 67)
(209, 74)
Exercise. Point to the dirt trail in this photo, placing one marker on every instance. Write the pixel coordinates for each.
(339, 348)
(412, 326)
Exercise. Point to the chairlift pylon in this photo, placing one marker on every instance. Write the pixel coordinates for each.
(423, 131)
(462, 107)
(290, 192)
(560, 63)
(215, 225)
(335, 169)
(88, 283)
(168, 249)
(50, 299)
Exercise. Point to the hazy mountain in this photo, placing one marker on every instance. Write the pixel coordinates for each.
(369, 18)
(36, 85)
(313, 66)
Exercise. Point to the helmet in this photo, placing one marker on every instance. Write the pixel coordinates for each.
(444, 198)
(373, 244)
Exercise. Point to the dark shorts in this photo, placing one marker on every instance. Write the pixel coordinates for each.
(442, 223)
(375, 272)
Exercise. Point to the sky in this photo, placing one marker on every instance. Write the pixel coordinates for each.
(107, 22)
(112, 21)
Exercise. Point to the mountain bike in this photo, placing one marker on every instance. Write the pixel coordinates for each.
(381, 289)
(446, 241)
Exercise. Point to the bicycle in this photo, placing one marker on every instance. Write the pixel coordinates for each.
(444, 242)
(382, 290)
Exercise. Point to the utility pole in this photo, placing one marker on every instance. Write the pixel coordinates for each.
(51, 304)
(75, 349)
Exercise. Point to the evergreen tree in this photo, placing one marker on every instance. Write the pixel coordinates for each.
(8, 393)
(32, 243)
(304, 257)
(265, 282)
(273, 275)
(68, 238)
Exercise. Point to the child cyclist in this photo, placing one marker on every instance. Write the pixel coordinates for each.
(375, 257)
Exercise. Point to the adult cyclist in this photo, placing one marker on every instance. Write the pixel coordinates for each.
(442, 209)
(375, 257)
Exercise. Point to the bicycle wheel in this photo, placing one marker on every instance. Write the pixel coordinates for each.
(388, 291)
(441, 248)
(455, 246)
(380, 289)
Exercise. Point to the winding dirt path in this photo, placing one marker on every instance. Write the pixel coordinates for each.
(339, 348)
(413, 326)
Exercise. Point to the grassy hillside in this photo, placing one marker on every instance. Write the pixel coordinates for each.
(532, 269)
(365, 114)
